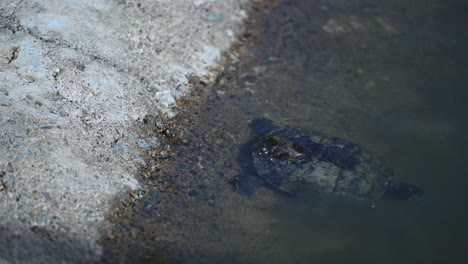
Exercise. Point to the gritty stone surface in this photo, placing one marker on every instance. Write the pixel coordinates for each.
(76, 78)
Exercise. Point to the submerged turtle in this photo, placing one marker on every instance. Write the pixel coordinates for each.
(287, 159)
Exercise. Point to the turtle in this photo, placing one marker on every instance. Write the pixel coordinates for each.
(290, 159)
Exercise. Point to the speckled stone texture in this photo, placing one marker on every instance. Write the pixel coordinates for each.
(76, 78)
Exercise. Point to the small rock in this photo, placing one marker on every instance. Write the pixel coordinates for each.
(157, 50)
(120, 143)
(46, 195)
(143, 144)
(119, 67)
(140, 161)
(151, 38)
(28, 79)
(97, 158)
(43, 220)
(159, 124)
(63, 113)
(199, 4)
(211, 16)
(147, 207)
(154, 195)
(124, 40)
(28, 152)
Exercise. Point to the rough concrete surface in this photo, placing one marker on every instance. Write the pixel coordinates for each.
(75, 78)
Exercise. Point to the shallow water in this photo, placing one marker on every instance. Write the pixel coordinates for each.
(388, 75)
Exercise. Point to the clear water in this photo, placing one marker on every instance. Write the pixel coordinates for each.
(388, 75)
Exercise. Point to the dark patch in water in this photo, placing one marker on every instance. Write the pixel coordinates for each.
(389, 75)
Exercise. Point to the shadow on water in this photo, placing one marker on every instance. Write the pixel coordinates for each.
(388, 75)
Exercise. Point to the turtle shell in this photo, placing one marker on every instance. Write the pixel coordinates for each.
(287, 159)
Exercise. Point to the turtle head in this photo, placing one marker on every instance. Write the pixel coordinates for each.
(402, 191)
(262, 126)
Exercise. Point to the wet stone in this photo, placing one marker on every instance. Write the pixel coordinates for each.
(148, 207)
(154, 195)
(159, 124)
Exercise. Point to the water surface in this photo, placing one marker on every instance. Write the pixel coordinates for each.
(388, 75)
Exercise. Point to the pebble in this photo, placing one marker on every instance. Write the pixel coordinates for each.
(8, 184)
(46, 195)
(211, 16)
(147, 207)
(141, 193)
(154, 195)
(159, 124)
(200, 4)
(143, 144)
(140, 161)
(43, 219)
(151, 38)
(119, 67)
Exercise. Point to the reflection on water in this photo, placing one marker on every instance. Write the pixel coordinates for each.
(388, 75)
